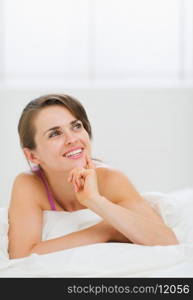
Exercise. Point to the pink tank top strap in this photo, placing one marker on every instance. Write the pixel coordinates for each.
(40, 173)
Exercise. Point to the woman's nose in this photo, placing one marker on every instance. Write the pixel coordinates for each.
(70, 138)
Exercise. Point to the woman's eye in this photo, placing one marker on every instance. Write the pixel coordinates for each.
(78, 125)
(54, 133)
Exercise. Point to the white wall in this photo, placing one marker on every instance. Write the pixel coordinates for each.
(49, 42)
(130, 65)
(147, 133)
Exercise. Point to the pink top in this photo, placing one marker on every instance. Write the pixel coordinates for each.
(38, 171)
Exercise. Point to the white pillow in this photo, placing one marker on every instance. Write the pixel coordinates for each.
(176, 208)
(3, 232)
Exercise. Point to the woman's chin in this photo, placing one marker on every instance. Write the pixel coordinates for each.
(79, 163)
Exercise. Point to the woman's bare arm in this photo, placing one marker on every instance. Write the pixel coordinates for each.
(125, 209)
(99, 233)
(25, 224)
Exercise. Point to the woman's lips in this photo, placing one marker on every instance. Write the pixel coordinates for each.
(75, 156)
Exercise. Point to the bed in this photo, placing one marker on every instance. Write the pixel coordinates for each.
(109, 259)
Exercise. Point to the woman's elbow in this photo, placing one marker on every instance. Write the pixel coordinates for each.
(17, 254)
(20, 253)
(167, 238)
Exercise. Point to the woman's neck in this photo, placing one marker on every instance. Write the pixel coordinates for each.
(62, 191)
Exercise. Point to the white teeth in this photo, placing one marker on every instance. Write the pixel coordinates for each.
(73, 152)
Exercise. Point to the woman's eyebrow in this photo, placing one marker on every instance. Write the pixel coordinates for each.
(58, 127)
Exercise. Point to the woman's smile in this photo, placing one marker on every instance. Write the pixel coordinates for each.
(75, 153)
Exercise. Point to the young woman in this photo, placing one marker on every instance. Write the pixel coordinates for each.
(55, 135)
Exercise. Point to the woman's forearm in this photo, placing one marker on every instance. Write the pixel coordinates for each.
(99, 233)
(136, 228)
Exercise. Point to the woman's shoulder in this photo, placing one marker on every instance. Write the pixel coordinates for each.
(109, 179)
(103, 168)
(27, 185)
(108, 170)
(26, 177)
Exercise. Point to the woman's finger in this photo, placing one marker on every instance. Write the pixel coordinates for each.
(78, 182)
(75, 181)
(79, 178)
(75, 187)
(90, 164)
(72, 174)
(81, 183)
(82, 177)
(86, 158)
(70, 177)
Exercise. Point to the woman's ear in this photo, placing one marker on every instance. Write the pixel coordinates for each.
(31, 156)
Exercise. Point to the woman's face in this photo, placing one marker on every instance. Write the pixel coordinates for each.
(61, 140)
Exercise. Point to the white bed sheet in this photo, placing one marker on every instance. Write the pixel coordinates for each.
(109, 259)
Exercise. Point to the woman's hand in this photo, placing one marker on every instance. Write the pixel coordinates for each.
(85, 182)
